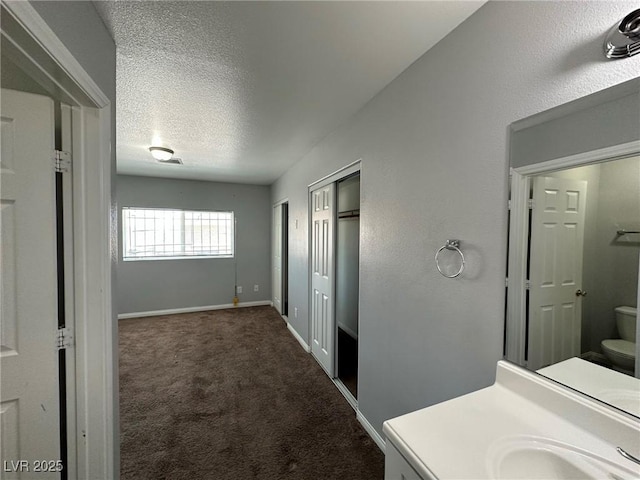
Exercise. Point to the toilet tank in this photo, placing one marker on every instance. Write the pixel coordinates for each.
(626, 322)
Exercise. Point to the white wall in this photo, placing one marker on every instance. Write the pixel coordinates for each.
(434, 152)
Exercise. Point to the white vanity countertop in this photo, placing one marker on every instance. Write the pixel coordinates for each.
(460, 438)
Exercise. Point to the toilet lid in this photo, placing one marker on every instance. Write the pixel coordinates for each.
(621, 347)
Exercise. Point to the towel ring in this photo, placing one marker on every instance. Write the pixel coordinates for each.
(451, 245)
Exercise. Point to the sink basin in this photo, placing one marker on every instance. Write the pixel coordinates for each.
(537, 458)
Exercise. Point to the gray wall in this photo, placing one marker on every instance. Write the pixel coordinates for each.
(14, 78)
(617, 257)
(588, 124)
(434, 150)
(152, 285)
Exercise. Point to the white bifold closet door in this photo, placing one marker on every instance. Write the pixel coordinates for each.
(29, 404)
(323, 276)
(555, 301)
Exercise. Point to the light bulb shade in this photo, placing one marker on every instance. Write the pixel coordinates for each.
(161, 153)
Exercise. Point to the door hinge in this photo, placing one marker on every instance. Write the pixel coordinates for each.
(508, 204)
(64, 338)
(62, 161)
(506, 282)
(527, 285)
(530, 203)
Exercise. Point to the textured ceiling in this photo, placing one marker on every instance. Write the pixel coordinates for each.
(242, 90)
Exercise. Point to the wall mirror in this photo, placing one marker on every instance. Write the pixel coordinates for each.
(574, 245)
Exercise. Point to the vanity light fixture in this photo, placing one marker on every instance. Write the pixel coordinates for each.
(161, 154)
(623, 39)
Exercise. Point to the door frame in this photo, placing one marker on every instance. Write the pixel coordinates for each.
(94, 445)
(515, 323)
(285, 260)
(347, 170)
(273, 224)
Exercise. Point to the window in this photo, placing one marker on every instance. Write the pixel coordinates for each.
(159, 233)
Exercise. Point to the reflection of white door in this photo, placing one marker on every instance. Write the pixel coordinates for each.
(557, 236)
(322, 276)
(277, 258)
(29, 408)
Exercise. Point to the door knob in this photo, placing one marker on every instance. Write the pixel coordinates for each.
(581, 293)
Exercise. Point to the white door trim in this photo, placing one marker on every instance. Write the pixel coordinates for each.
(276, 257)
(69, 292)
(34, 24)
(96, 329)
(616, 152)
(280, 202)
(273, 233)
(96, 394)
(519, 234)
(342, 172)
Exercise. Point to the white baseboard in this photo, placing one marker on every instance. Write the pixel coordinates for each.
(371, 431)
(346, 393)
(297, 336)
(173, 311)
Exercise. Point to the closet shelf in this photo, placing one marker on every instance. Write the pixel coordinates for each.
(622, 232)
(349, 213)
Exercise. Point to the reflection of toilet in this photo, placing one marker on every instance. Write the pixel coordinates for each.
(621, 352)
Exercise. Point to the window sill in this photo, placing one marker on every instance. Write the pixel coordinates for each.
(186, 257)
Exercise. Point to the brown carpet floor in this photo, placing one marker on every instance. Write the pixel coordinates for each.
(230, 394)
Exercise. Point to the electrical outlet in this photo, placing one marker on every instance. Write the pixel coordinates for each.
(295, 312)
(256, 288)
(238, 290)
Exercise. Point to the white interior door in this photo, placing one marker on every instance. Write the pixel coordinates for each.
(29, 405)
(557, 237)
(322, 276)
(277, 258)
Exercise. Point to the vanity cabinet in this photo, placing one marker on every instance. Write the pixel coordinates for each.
(396, 467)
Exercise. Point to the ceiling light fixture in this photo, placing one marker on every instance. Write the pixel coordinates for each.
(623, 39)
(161, 153)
